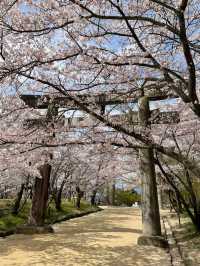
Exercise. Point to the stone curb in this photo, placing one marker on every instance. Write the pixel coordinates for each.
(65, 218)
(6, 233)
(75, 215)
(174, 248)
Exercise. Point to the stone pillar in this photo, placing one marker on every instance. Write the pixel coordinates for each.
(151, 228)
(40, 197)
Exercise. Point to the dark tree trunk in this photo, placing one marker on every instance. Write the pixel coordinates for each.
(58, 198)
(179, 203)
(79, 194)
(93, 198)
(107, 194)
(16, 206)
(69, 195)
(40, 197)
(194, 201)
(172, 201)
(113, 194)
(78, 202)
(195, 218)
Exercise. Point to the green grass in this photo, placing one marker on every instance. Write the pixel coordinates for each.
(8, 221)
(67, 209)
(5, 203)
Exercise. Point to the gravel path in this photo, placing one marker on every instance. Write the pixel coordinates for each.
(104, 238)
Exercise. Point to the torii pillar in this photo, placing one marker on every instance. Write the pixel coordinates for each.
(151, 227)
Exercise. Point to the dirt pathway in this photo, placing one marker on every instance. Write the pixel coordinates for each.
(104, 238)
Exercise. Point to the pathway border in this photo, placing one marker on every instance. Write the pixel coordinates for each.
(62, 219)
(174, 248)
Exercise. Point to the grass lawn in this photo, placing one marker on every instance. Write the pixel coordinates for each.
(8, 221)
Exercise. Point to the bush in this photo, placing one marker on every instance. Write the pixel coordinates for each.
(127, 198)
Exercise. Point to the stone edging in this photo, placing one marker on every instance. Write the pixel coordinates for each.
(75, 215)
(174, 248)
(7, 233)
(64, 218)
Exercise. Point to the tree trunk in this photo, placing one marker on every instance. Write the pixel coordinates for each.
(172, 201)
(79, 195)
(107, 194)
(58, 198)
(40, 197)
(150, 208)
(69, 195)
(185, 204)
(113, 194)
(178, 203)
(197, 216)
(194, 200)
(93, 198)
(16, 206)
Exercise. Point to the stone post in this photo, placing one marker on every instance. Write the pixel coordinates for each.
(151, 228)
(40, 197)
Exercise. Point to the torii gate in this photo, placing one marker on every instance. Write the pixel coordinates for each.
(150, 208)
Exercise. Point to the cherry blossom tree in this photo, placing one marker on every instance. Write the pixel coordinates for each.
(101, 48)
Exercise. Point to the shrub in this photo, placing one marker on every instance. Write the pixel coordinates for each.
(126, 198)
